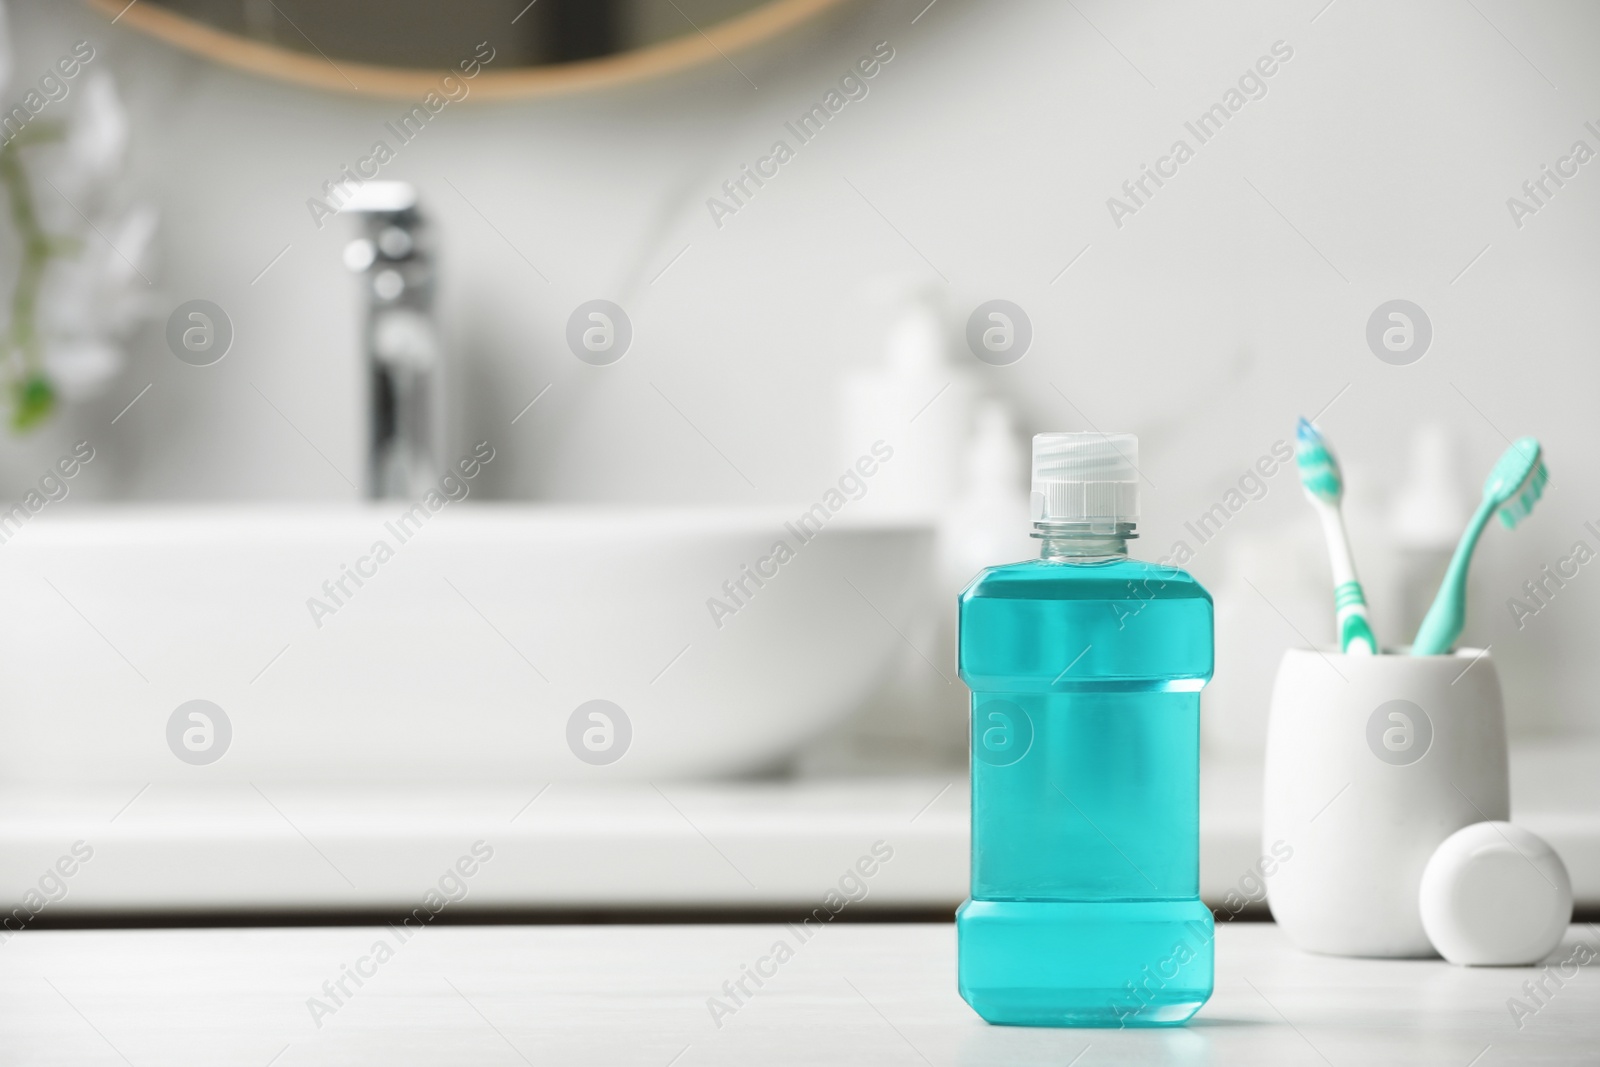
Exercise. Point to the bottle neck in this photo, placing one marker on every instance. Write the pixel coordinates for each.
(1083, 542)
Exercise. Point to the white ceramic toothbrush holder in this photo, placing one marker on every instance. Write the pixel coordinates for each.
(1372, 761)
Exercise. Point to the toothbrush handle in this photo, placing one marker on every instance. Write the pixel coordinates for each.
(1349, 602)
(1445, 618)
(1350, 615)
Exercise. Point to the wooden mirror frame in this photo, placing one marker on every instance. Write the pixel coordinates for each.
(318, 72)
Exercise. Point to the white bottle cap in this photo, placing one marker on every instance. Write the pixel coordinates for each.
(1085, 477)
(1494, 894)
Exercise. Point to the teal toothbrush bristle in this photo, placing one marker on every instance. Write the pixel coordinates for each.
(1319, 471)
(1517, 480)
(1516, 509)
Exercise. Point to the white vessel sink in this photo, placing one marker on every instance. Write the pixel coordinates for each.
(460, 659)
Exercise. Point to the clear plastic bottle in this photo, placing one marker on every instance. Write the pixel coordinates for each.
(1085, 668)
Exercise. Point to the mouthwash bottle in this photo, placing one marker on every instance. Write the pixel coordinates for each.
(1085, 668)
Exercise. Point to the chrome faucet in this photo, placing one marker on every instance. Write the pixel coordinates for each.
(393, 255)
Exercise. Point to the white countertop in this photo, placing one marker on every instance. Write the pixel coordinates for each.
(879, 994)
(640, 846)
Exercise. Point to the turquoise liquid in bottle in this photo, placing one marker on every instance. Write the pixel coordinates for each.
(1085, 668)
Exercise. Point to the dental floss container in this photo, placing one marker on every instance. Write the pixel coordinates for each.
(1494, 894)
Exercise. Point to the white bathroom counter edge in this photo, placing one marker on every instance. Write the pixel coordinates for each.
(641, 845)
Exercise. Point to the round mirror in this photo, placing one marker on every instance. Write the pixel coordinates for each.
(401, 48)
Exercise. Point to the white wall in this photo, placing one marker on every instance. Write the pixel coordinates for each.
(1377, 166)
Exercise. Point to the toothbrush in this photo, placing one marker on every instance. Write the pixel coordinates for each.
(1514, 485)
(1319, 475)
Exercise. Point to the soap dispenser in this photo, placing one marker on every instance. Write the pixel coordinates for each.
(917, 400)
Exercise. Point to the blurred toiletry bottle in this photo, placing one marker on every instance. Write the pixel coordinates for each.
(1085, 668)
(917, 401)
(1430, 511)
(1263, 572)
(986, 523)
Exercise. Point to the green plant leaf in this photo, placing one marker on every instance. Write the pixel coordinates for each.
(33, 400)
